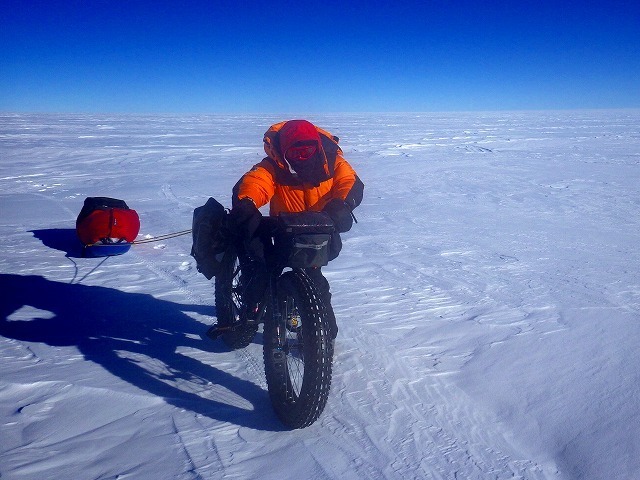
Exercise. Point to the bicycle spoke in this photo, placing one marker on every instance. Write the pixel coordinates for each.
(293, 346)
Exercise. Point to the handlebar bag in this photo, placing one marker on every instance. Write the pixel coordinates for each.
(303, 239)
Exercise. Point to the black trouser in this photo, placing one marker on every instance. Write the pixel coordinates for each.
(255, 274)
(323, 286)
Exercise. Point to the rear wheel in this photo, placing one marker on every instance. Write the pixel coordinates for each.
(298, 352)
(228, 297)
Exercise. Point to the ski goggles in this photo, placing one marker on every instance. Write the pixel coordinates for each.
(299, 153)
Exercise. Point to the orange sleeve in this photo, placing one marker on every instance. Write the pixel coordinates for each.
(258, 184)
(344, 178)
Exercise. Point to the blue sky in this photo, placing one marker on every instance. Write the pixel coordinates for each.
(313, 57)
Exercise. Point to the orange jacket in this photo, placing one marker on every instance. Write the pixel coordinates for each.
(271, 181)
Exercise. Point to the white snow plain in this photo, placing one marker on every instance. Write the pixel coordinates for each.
(488, 303)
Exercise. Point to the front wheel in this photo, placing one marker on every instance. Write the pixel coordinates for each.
(298, 351)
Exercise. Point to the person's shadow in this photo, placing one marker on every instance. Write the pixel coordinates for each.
(112, 328)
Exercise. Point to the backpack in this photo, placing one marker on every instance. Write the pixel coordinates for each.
(210, 237)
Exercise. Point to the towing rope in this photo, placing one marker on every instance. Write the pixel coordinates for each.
(144, 240)
(161, 237)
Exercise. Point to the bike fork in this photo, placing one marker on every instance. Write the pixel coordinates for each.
(276, 314)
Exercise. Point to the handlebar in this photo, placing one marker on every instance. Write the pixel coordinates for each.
(297, 222)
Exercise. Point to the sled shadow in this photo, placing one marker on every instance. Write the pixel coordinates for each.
(64, 239)
(118, 330)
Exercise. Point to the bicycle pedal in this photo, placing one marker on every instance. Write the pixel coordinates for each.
(216, 331)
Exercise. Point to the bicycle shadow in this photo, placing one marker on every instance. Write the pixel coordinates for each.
(114, 329)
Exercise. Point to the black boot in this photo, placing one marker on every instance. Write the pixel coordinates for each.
(253, 283)
(331, 317)
(323, 286)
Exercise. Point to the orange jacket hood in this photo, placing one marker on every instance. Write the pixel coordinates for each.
(274, 149)
(270, 181)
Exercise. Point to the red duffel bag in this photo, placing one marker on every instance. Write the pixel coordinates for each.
(107, 221)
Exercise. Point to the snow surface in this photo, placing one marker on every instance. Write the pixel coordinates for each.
(488, 303)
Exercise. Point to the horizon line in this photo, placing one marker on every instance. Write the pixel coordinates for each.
(372, 112)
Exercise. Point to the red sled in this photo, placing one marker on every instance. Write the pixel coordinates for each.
(106, 226)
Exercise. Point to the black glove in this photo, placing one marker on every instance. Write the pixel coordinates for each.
(245, 218)
(340, 214)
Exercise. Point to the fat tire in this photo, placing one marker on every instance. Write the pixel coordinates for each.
(228, 298)
(298, 409)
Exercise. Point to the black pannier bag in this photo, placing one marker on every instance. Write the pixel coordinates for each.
(210, 237)
(305, 239)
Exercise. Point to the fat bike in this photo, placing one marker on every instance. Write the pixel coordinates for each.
(297, 331)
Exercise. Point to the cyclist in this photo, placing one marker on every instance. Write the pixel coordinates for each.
(304, 170)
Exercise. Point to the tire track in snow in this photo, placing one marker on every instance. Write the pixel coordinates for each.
(167, 191)
(186, 438)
